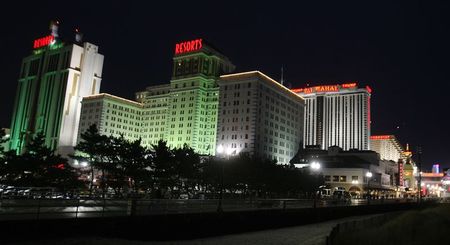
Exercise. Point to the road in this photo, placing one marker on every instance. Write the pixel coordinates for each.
(313, 234)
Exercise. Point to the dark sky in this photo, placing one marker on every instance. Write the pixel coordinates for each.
(400, 49)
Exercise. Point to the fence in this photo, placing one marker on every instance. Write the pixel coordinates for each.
(15, 209)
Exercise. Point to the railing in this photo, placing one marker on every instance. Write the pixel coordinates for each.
(15, 209)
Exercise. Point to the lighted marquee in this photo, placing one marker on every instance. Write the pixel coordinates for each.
(43, 41)
(400, 174)
(189, 46)
(381, 137)
(325, 88)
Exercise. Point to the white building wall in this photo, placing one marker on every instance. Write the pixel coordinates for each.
(265, 119)
(84, 79)
(345, 119)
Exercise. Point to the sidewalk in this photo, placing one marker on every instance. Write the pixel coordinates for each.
(306, 235)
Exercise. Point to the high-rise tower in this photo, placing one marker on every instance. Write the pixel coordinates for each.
(337, 115)
(52, 82)
(186, 110)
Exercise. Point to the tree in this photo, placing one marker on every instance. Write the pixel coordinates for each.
(136, 164)
(187, 166)
(93, 150)
(164, 168)
(39, 166)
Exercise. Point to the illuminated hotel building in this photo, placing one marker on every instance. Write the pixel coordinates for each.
(185, 111)
(260, 116)
(112, 115)
(181, 112)
(337, 115)
(52, 82)
(155, 103)
(387, 146)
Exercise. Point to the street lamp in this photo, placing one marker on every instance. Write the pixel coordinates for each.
(220, 149)
(315, 167)
(227, 152)
(368, 176)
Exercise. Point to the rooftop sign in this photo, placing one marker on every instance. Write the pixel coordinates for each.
(189, 46)
(381, 137)
(43, 41)
(325, 88)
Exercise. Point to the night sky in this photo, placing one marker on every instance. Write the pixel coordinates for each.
(400, 49)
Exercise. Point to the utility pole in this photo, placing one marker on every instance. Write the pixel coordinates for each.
(419, 159)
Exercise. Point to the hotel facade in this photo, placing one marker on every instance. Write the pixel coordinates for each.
(388, 147)
(337, 115)
(181, 112)
(201, 107)
(52, 82)
(260, 116)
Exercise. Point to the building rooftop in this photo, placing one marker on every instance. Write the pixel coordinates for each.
(335, 88)
(251, 74)
(112, 97)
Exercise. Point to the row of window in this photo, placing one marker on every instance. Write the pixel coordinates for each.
(339, 178)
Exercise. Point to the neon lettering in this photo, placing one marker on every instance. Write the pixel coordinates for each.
(348, 85)
(188, 46)
(43, 41)
(381, 137)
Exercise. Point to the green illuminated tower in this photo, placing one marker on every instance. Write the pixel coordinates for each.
(188, 107)
(52, 81)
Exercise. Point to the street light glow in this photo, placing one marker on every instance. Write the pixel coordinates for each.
(315, 165)
(229, 151)
(369, 174)
(220, 149)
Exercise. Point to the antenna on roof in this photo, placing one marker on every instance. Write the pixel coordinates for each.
(54, 28)
(78, 35)
(282, 78)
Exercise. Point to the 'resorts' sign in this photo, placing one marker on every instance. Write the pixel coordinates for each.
(43, 41)
(189, 46)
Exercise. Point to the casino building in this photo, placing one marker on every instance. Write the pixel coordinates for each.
(387, 146)
(185, 111)
(52, 81)
(260, 116)
(337, 115)
(181, 112)
(112, 115)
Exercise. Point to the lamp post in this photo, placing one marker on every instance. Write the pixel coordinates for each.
(315, 167)
(368, 176)
(220, 151)
(419, 156)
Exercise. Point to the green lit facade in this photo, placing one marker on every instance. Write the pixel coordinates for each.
(38, 106)
(186, 110)
(112, 115)
(181, 112)
(52, 81)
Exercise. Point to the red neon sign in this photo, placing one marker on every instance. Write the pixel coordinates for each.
(348, 85)
(369, 89)
(43, 41)
(188, 46)
(400, 173)
(432, 174)
(297, 90)
(381, 137)
(325, 88)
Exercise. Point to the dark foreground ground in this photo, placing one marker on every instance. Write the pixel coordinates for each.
(312, 234)
(423, 226)
(176, 227)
